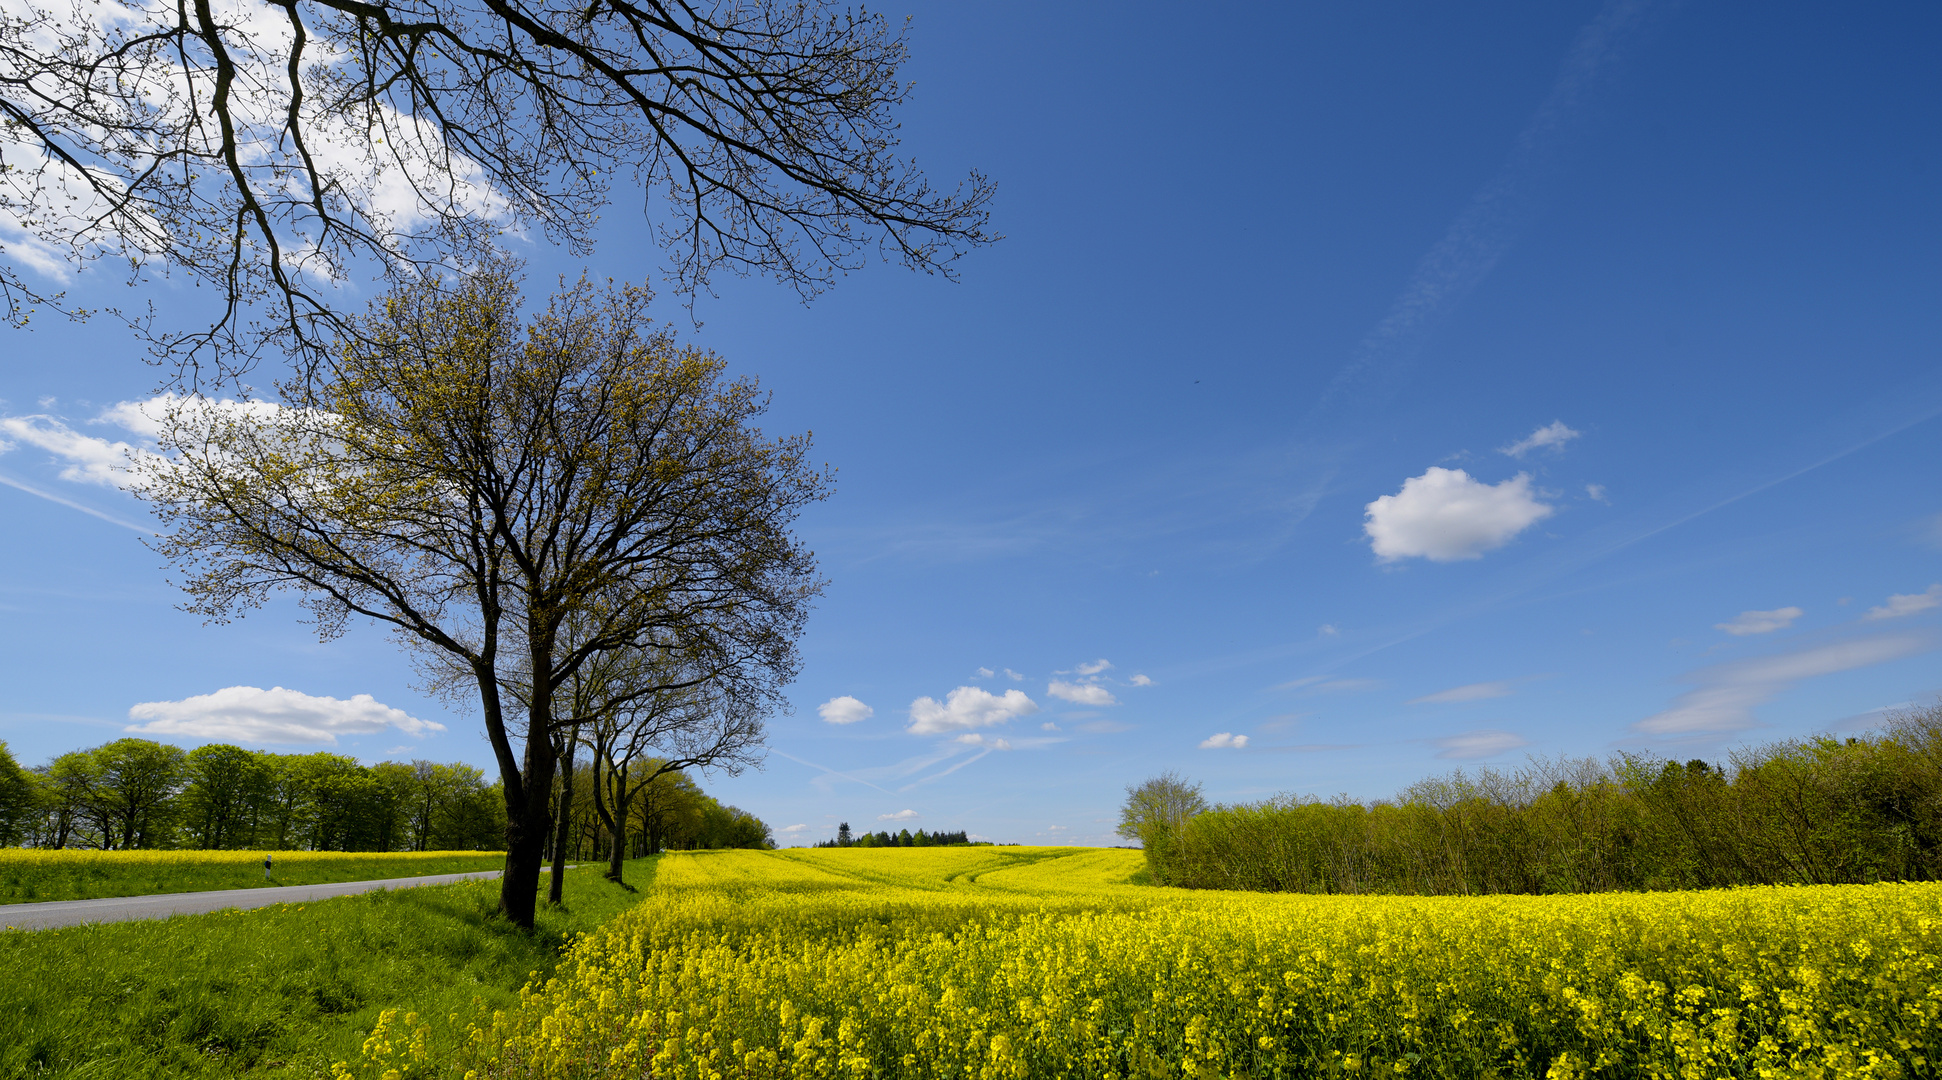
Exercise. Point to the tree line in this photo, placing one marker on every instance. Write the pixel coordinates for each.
(136, 793)
(139, 794)
(668, 813)
(1823, 810)
(902, 838)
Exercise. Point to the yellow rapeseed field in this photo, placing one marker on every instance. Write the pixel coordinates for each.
(1011, 963)
(56, 859)
(29, 875)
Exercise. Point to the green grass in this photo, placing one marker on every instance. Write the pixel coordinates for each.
(32, 876)
(281, 991)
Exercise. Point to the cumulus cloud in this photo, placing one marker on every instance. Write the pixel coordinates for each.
(793, 830)
(1224, 741)
(988, 742)
(1596, 493)
(1013, 675)
(1551, 436)
(84, 459)
(1081, 693)
(901, 815)
(844, 710)
(1141, 680)
(253, 715)
(105, 462)
(1094, 667)
(1478, 744)
(1906, 604)
(985, 673)
(967, 708)
(1760, 622)
(1724, 696)
(1481, 691)
(1444, 516)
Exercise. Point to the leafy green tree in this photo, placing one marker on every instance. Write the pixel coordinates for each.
(134, 787)
(227, 786)
(67, 785)
(1155, 812)
(20, 799)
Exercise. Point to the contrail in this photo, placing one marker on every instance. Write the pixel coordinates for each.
(71, 505)
(1501, 210)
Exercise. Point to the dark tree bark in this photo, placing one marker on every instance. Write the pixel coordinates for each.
(564, 823)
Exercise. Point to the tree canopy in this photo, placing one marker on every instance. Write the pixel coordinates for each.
(479, 484)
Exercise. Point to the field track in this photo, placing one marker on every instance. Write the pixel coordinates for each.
(61, 913)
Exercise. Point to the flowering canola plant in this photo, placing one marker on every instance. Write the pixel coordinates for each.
(1014, 963)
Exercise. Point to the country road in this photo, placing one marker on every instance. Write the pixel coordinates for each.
(59, 913)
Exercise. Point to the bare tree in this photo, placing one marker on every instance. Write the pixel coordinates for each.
(269, 149)
(475, 483)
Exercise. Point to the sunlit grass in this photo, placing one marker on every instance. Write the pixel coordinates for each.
(278, 991)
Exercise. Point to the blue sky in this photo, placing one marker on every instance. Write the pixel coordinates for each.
(1359, 392)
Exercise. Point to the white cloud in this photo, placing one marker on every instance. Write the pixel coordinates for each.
(1081, 693)
(1094, 667)
(986, 741)
(1552, 436)
(793, 830)
(91, 459)
(1482, 691)
(1760, 622)
(1013, 675)
(1906, 604)
(965, 708)
(1725, 695)
(985, 673)
(85, 459)
(1444, 515)
(1329, 630)
(901, 815)
(1048, 726)
(844, 710)
(1596, 493)
(1478, 744)
(250, 714)
(1141, 680)
(1223, 741)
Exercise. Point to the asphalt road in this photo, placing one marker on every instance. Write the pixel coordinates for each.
(58, 913)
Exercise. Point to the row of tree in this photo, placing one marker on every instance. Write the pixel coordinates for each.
(667, 813)
(137, 793)
(903, 838)
(1818, 811)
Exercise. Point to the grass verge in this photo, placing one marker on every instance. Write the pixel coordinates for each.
(29, 875)
(281, 991)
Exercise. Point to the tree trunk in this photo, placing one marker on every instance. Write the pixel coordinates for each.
(564, 824)
(619, 851)
(529, 806)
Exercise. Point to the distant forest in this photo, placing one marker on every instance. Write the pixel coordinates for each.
(904, 838)
(1817, 811)
(137, 793)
